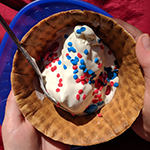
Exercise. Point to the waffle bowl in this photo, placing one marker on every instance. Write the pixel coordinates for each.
(117, 116)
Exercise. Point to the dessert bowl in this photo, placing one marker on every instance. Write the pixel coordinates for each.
(103, 125)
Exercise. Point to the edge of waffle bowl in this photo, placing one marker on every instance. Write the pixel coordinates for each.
(117, 116)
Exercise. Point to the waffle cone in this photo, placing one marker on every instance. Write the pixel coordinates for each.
(117, 116)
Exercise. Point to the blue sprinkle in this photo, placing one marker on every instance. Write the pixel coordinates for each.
(116, 84)
(83, 29)
(91, 78)
(108, 80)
(85, 70)
(116, 70)
(72, 49)
(94, 75)
(75, 76)
(82, 62)
(42, 59)
(82, 67)
(65, 36)
(110, 75)
(69, 43)
(90, 72)
(65, 67)
(78, 31)
(92, 108)
(90, 82)
(107, 69)
(96, 60)
(75, 71)
(114, 75)
(76, 58)
(103, 84)
(59, 62)
(69, 49)
(100, 103)
(116, 63)
(86, 52)
(74, 62)
(68, 57)
(99, 40)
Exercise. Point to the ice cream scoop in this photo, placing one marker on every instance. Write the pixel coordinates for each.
(79, 79)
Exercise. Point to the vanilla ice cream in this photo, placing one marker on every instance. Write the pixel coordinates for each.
(80, 72)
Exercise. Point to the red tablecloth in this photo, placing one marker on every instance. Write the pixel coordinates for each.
(1, 143)
(135, 12)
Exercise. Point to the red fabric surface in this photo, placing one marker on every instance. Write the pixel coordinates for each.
(1, 143)
(135, 12)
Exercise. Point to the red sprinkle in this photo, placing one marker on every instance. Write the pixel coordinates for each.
(39, 57)
(82, 77)
(57, 59)
(80, 91)
(100, 99)
(55, 54)
(60, 84)
(50, 59)
(58, 104)
(82, 82)
(99, 65)
(115, 67)
(95, 101)
(77, 80)
(101, 78)
(109, 52)
(93, 93)
(108, 89)
(101, 87)
(46, 66)
(57, 90)
(99, 115)
(58, 75)
(77, 96)
(87, 106)
(84, 96)
(46, 56)
(79, 55)
(102, 47)
(86, 80)
(50, 65)
(98, 96)
(96, 91)
(60, 80)
(53, 68)
(72, 114)
(74, 67)
(67, 54)
(111, 83)
(54, 60)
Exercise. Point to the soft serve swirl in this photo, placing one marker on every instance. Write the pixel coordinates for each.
(83, 76)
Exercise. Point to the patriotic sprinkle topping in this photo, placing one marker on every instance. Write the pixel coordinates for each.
(76, 72)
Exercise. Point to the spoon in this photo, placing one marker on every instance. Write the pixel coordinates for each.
(30, 59)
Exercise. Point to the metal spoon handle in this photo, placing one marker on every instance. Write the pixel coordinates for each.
(30, 59)
(17, 42)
